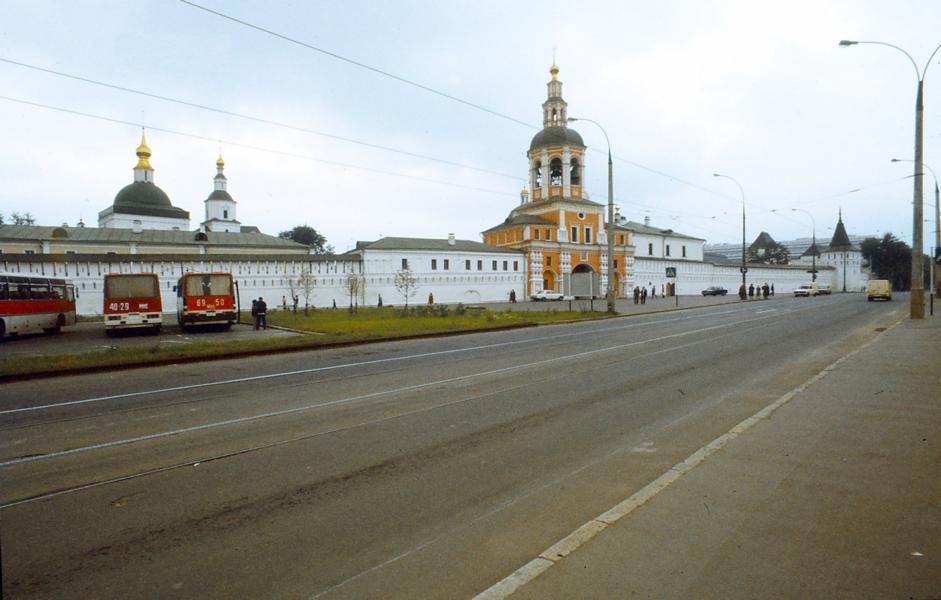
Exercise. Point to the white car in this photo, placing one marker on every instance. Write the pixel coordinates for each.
(545, 295)
(807, 289)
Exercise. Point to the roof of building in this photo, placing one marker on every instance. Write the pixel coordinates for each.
(811, 250)
(647, 229)
(401, 243)
(148, 236)
(145, 199)
(763, 240)
(556, 136)
(220, 195)
(840, 240)
(522, 219)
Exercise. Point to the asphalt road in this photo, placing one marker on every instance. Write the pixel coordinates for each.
(423, 469)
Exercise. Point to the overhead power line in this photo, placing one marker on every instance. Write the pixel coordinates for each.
(256, 148)
(356, 63)
(256, 118)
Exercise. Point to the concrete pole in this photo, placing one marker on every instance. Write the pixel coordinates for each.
(918, 291)
(744, 269)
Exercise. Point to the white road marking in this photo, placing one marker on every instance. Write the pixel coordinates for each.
(552, 555)
(760, 312)
(409, 388)
(346, 365)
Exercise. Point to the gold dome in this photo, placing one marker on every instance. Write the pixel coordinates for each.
(220, 163)
(554, 70)
(143, 154)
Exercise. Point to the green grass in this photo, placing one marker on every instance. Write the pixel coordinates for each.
(326, 327)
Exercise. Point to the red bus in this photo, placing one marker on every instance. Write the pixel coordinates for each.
(132, 300)
(205, 298)
(35, 303)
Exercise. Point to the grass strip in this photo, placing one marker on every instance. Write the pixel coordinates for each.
(332, 328)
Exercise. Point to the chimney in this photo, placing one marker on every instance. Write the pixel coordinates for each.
(451, 240)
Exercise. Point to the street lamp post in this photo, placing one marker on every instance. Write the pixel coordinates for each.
(917, 308)
(609, 292)
(744, 269)
(937, 227)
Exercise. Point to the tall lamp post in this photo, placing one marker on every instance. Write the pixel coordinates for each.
(917, 309)
(609, 292)
(937, 226)
(813, 223)
(744, 269)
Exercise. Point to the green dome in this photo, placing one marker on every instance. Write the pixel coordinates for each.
(145, 198)
(555, 136)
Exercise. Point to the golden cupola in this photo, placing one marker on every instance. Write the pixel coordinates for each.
(143, 154)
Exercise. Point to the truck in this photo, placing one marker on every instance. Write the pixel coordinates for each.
(878, 289)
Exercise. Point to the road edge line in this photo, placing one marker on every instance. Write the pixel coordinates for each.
(584, 533)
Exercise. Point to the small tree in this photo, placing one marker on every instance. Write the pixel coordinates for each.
(406, 284)
(356, 286)
(307, 235)
(306, 282)
(22, 219)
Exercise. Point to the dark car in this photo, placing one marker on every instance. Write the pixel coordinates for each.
(715, 291)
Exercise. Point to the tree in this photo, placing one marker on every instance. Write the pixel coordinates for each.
(306, 282)
(769, 254)
(406, 284)
(356, 286)
(889, 258)
(1, 219)
(22, 219)
(307, 235)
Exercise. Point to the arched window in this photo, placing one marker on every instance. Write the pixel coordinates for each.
(555, 116)
(538, 168)
(555, 171)
(575, 174)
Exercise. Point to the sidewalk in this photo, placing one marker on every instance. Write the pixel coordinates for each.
(836, 494)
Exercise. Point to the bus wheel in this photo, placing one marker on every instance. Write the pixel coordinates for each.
(227, 327)
(156, 330)
(60, 321)
(110, 332)
(3, 329)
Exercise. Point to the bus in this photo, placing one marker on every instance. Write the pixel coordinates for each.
(205, 298)
(132, 300)
(34, 303)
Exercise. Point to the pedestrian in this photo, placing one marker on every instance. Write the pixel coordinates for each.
(636, 295)
(380, 301)
(751, 290)
(765, 290)
(334, 303)
(255, 312)
(295, 304)
(513, 296)
(772, 289)
(431, 298)
(284, 302)
(741, 292)
(643, 295)
(261, 318)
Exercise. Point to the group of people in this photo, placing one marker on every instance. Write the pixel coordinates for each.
(260, 313)
(284, 302)
(756, 291)
(640, 295)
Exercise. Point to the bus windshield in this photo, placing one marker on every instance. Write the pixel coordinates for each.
(208, 285)
(131, 286)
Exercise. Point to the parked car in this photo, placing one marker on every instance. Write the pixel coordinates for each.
(715, 291)
(807, 289)
(878, 288)
(546, 295)
(824, 290)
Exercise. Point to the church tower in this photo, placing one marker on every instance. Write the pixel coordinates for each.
(562, 232)
(220, 206)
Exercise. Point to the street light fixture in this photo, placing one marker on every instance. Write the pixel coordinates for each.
(917, 308)
(609, 292)
(744, 269)
(935, 276)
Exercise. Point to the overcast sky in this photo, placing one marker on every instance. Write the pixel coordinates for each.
(757, 90)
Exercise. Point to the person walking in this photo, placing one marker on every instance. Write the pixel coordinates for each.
(513, 296)
(261, 318)
(772, 289)
(751, 290)
(742, 293)
(636, 295)
(255, 312)
(380, 301)
(431, 298)
(643, 295)
(284, 302)
(765, 290)
(295, 303)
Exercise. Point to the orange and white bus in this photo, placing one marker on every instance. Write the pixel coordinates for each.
(34, 303)
(132, 300)
(205, 298)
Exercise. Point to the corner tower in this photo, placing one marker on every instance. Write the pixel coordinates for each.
(557, 153)
(220, 206)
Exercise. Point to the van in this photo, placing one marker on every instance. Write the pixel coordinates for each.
(878, 288)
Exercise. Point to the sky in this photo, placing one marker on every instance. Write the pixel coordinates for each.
(452, 91)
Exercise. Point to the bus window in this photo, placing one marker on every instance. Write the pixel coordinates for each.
(131, 287)
(208, 285)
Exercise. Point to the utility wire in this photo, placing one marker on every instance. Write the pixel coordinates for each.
(355, 63)
(254, 118)
(256, 148)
